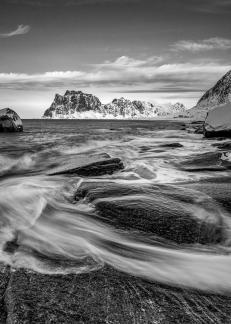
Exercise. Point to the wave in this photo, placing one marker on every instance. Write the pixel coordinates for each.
(41, 230)
(14, 165)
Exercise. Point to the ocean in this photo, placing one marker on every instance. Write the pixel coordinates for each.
(164, 218)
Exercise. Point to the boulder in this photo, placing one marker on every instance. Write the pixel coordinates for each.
(10, 121)
(89, 167)
(182, 215)
(218, 122)
(208, 161)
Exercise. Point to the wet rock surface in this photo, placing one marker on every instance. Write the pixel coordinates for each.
(106, 296)
(4, 280)
(223, 146)
(209, 161)
(172, 145)
(93, 166)
(168, 212)
(218, 189)
(10, 121)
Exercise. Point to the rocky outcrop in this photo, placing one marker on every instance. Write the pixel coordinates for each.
(107, 296)
(10, 121)
(218, 122)
(79, 105)
(219, 94)
(91, 166)
(72, 104)
(124, 108)
(155, 210)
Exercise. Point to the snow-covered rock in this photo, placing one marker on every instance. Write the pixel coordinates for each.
(79, 105)
(10, 121)
(72, 104)
(218, 121)
(219, 94)
(176, 110)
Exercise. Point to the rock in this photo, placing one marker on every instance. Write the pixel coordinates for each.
(72, 104)
(223, 146)
(10, 121)
(199, 130)
(219, 94)
(124, 108)
(168, 212)
(209, 161)
(4, 282)
(107, 296)
(218, 122)
(172, 145)
(218, 189)
(89, 167)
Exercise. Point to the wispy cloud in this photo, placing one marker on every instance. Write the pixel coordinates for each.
(179, 77)
(20, 30)
(202, 45)
(126, 61)
(213, 6)
(50, 3)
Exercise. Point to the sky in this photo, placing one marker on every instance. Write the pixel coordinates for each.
(155, 50)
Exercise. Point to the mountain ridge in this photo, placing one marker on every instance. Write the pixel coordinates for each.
(78, 105)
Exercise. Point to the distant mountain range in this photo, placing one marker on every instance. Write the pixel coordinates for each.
(79, 105)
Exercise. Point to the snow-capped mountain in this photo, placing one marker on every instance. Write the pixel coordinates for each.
(79, 105)
(72, 104)
(219, 94)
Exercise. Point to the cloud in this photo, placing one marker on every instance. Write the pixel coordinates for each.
(202, 45)
(133, 76)
(51, 3)
(21, 30)
(212, 6)
(126, 61)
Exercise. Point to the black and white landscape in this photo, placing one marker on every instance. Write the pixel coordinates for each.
(115, 161)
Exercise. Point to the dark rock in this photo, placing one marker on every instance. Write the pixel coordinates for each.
(218, 189)
(144, 149)
(199, 130)
(167, 212)
(209, 161)
(10, 121)
(92, 166)
(4, 281)
(223, 146)
(172, 145)
(107, 296)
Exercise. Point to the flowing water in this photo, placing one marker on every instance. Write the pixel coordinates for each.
(43, 228)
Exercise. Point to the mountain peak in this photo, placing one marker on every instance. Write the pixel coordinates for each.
(219, 94)
(72, 92)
